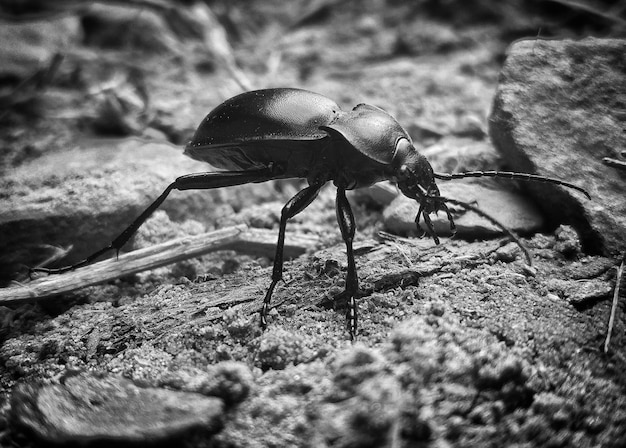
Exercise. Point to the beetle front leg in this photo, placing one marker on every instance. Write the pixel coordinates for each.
(295, 205)
(450, 218)
(430, 227)
(345, 218)
(428, 223)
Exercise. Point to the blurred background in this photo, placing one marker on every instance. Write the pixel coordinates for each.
(154, 68)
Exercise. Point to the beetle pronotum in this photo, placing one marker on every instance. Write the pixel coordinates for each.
(291, 133)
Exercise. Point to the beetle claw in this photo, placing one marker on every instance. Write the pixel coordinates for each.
(263, 314)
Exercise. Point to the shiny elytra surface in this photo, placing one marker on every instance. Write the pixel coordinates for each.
(255, 128)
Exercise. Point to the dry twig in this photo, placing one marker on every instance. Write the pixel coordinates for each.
(238, 238)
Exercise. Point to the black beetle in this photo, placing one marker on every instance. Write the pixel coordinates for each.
(291, 133)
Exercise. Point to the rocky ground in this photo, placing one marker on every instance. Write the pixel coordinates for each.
(460, 344)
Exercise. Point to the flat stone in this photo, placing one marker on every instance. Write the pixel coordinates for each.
(589, 290)
(84, 197)
(559, 110)
(581, 292)
(89, 409)
(512, 210)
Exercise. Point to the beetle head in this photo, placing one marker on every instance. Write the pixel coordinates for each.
(416, 180)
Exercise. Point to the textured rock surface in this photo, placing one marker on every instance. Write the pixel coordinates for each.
(512, 210)
(86, 408)
(559, 109)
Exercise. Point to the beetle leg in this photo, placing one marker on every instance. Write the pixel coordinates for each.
(429, 226)
(450, 219)
(420, 211)
(345, 218)
(199, 181)
(118, 242)
(295, 205)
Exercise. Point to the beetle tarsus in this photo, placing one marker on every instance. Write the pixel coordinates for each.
(450, 218)
(430, 227)
(351, 318)
(198, 181)
(266, 302)
(264, 309)
(80, 264)
(118, 242)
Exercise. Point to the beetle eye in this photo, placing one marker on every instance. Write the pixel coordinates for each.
(402, 150)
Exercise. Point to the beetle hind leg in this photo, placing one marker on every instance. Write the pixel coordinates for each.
(294, 206)
(197, 181)
(118, 242)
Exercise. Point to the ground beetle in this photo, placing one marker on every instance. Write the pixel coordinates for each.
(291, 133)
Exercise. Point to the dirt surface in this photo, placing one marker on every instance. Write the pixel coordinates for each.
(460, 344)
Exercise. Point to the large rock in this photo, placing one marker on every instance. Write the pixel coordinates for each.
(559, 109)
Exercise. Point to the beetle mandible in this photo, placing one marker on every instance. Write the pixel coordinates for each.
(291, 133)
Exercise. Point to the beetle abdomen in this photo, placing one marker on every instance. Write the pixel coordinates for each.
(238, 134)
(271, 114)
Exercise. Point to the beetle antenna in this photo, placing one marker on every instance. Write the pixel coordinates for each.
(511, 175)
(512, 235)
